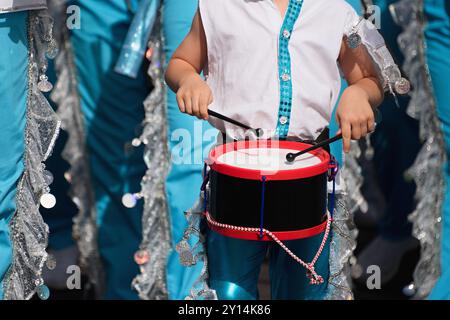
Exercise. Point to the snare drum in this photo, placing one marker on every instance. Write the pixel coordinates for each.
(254, 189)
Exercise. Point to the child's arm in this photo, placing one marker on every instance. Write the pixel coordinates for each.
(355, 111)
(183, 73)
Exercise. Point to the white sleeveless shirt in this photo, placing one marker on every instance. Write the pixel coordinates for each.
(243, 39)
(21, 5)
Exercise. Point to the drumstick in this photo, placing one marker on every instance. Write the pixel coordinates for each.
(258, 131)
(290, 157)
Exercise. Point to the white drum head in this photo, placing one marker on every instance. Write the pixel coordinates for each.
(266, 159)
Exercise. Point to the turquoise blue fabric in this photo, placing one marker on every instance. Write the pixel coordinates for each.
(234, 268)
(13, 99)
(284, 68)
(184, 179)
(113, 111)
(437, 33)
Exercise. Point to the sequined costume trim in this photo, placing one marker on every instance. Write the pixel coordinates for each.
(427, 170)
(284, 67)
(190, 255)
(362, 31)
(156, 241)
(29, 233)
(67, 97)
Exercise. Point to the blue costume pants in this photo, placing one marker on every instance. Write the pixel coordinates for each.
(112, 105)
(184, 179)
(13, 103)
(234, 267)
(437, 34)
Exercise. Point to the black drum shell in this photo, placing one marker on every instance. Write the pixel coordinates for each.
(289, 205)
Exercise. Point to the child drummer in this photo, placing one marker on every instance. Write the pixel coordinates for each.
(277, 65)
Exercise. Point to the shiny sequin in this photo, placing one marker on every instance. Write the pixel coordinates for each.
(129, 200)
(48, 177)
(187, 258)
(44, 85)
(136, 142)
(409, 290)
(354, 40)
(402, 86)
(43, 292)
(48, 200)
(51, 262)
(52, 49)
(141, 257)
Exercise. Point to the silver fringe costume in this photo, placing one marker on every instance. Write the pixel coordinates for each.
(156, 240)
(151, 282)
(427, 169)
(66, 96)
(29, 233)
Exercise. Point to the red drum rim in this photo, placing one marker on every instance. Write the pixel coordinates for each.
(251, 174)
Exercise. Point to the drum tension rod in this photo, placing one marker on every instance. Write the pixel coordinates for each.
(259, 132)
(290, 157)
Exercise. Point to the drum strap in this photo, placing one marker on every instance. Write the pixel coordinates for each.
(203, 188)
(332, 173)
(263, 201)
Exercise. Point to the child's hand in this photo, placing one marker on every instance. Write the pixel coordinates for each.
(354, 115)
(194, 96)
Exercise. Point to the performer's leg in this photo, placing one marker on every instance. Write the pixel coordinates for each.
(113, 109)
(234, 266)
(288, 277)
(437, 35)
(184, 179)
(13, 101)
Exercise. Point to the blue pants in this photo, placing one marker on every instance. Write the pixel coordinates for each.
(184, 179)
(234, 267)
(13, 105)
(112, 106)
(437, 34)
